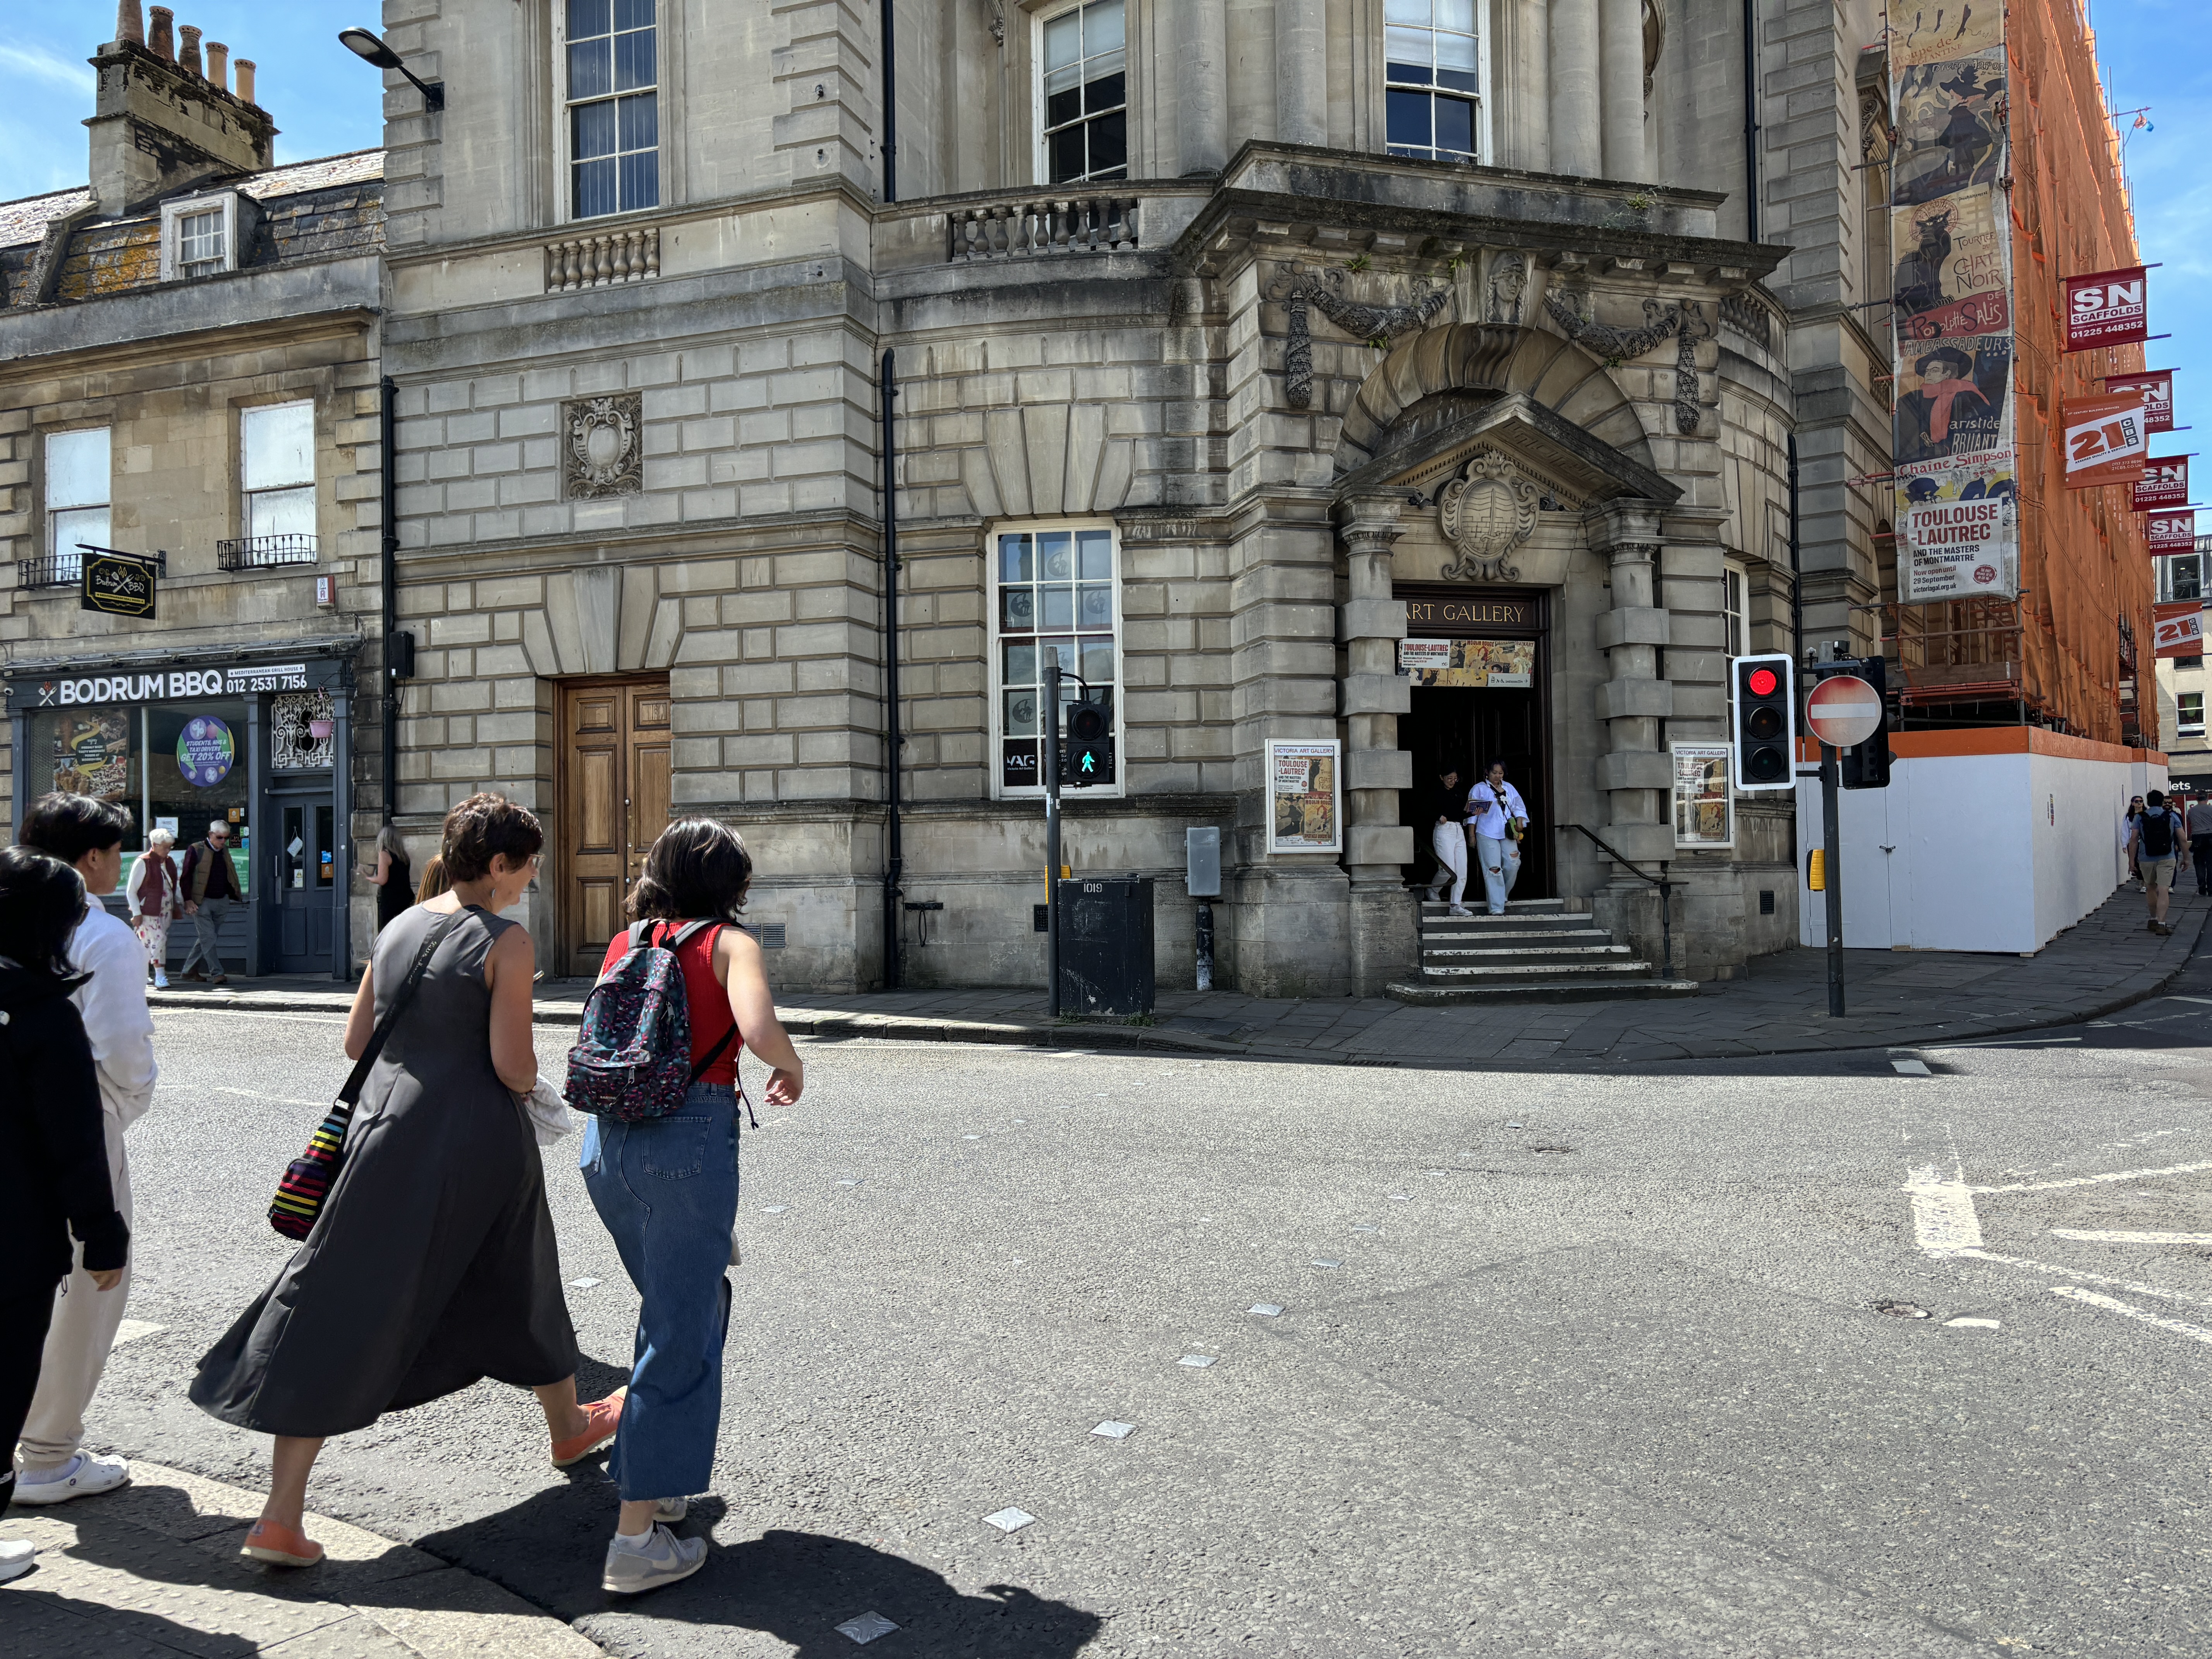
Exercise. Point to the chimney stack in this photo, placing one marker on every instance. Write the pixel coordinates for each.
(161, 42)
(218, 67)
(188, 59)
(246, 81)
(130, 22)
(164, 125)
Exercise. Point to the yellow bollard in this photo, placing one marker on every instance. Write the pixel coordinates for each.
(1817, 873)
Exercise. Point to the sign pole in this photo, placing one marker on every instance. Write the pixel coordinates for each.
(1832, 836)
(1052, 836)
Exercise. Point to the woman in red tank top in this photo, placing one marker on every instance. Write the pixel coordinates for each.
(667, 1189)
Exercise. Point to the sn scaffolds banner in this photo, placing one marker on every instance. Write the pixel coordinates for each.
(2165, 483)
(2108, 308)
(1957, 496)
(2155, 387)
(2171, 532)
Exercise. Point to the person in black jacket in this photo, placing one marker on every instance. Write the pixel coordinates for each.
(53, 1150)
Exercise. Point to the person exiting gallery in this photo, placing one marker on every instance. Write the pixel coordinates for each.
(1499, 818)
(1447, 838)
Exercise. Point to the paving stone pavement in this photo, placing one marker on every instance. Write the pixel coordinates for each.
(152, 1570)
(1778, 1005)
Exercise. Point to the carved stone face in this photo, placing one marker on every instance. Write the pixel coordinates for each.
(1509, 280)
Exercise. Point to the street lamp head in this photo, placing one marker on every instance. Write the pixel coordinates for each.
(364, 44)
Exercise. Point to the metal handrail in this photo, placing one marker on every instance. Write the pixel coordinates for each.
(263, 552)
(1665, 886)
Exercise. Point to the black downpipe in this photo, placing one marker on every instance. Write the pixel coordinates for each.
(1750, 118)
(1796, 588)
(893, 856)
(388, 441)
(891, 108)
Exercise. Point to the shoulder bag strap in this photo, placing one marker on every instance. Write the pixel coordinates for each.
(406, 994)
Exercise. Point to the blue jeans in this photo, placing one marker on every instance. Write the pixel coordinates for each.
(667, 1190)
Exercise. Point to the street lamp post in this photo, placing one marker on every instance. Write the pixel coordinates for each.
(367, 46)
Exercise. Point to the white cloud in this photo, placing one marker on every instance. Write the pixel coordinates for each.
(44, 65)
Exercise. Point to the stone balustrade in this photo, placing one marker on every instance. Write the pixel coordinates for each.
(619, 256)
(1064, 224)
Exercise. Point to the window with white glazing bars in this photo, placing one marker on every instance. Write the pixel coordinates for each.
(1432, 54)
(276, 443)
(78, 466)
(1053, 599)
(1084, 93)
(612, 70)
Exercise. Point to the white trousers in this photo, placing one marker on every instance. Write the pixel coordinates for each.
(1501, 868)
(85, 1318)
(1450, 841)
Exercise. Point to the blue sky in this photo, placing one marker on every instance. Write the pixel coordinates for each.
(325, 100)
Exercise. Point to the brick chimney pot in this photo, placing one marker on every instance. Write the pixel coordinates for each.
(188, 55)
(161, 41)
(130, 21)
(218, 65)
(244, 68)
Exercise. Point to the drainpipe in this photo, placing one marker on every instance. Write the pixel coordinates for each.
(1750, 119)
(890, 109)
(894, 858)
(388, 440)
(1796, 593)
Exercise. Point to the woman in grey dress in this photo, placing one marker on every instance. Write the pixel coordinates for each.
(434, 1261)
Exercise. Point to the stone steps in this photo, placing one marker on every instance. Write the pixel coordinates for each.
(1537, 951)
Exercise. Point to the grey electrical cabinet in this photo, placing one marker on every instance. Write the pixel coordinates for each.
(1106, 945)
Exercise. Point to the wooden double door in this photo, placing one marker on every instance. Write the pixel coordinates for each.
(613, 787)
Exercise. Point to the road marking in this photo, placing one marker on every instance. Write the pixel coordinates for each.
(2198, 1333)
(1999, 1042)
(1944, 1219)
(2096, 1180)
(2207, 1001)
(1198, 1361)
(1266, 1309)
(866, 1628)
(1910, 1068)
(1011, 1520)
(1115, 1430)
(2096, 1237)
(1964, 1324)
(2136, 1286)
(131, 1329)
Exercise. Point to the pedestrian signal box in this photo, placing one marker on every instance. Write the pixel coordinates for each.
(1764, 695)
(1865, 764)
(1086, 757)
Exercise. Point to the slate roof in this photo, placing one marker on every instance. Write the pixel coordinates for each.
(25, 220)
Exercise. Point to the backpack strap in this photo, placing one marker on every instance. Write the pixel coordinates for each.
(689, 931)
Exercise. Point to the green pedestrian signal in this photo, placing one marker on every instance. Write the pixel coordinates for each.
(1090, 749)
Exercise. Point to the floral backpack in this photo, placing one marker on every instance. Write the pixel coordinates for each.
(632, 1059)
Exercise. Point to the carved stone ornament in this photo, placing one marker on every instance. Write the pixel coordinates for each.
(1297, 288)
(1486, 512)
(1509, 280)
(1686, 324)
(602, 451)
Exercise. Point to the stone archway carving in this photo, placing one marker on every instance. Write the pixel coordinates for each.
(1486, 512)
(1489, 358)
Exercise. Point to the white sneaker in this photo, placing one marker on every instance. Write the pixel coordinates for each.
(17, 1557)
(1459, 910)
(671, 1509)
(160, 980)
(82, 1477)
(660, 1558)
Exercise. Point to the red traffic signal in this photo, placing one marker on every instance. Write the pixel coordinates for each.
(1762, 682)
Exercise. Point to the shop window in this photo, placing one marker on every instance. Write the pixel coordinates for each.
(2181, 576)
(199, 236)
(1083, 94)
(1434, 56)
(77, 473)
(2191, 707)
(1054, 596)
(174, 766)
(1734, 614)
(276, 473)
(610, 55)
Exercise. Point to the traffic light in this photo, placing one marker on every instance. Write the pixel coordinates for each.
(1087, 755)
(1766, 722)
(1866, 765)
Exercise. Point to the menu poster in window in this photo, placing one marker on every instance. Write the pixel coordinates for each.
(1485, 665)
(1703, 811)
(205, 751)
(1306, 808)
(92, 754)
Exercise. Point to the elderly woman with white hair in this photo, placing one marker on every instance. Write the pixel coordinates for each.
(152, 896)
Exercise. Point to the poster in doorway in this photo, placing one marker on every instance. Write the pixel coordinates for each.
(1703, 809)
(1485, 665)
(1306, 811)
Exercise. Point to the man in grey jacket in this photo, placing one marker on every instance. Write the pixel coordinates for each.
(50, 1466)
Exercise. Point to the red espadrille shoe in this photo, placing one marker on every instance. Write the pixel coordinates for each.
(602, 1417)
(281, 1546)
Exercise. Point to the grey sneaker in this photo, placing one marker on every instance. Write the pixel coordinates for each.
(671, 1509)
(664, 1558)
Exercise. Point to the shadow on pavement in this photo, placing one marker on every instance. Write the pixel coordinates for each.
(797, 1587)
(39, 1622)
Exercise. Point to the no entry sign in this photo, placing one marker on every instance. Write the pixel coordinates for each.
(1843, 711)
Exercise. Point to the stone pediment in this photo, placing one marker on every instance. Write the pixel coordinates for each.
(1547, 448)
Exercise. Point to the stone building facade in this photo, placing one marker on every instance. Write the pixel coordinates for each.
(189, 355)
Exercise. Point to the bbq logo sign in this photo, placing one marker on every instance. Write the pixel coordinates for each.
(1956, 505)
(116, 584)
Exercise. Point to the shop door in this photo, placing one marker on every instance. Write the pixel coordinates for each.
(301, 870)
(613, 801)
(1463, 727)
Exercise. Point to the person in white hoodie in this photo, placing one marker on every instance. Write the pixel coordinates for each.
(52, 1466)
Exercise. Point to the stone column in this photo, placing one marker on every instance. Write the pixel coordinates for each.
(1576, 145)
(1526, 140)
(1633, 703)
(1302, 71)
(1376, 844)
(1202, 88)
(1620, 53)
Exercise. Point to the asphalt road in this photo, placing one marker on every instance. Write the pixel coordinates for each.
(1564, 1365)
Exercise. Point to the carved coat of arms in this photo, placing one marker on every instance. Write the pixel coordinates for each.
(1486, 512)
(604, 454)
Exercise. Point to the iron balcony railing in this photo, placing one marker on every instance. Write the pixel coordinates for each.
(261, 552)
(67, 569)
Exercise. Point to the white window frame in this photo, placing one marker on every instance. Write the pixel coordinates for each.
(2166, 566)
(173, 215)
(2181, 722)
(994, 755)
(1736, 622)
(55, 510)
(1483, 150)
(564, 175)
(246, 494)
(1041, 166)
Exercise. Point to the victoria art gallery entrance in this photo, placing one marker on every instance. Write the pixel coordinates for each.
(1481, 692)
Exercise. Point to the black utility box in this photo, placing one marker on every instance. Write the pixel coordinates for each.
(1106, 945)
